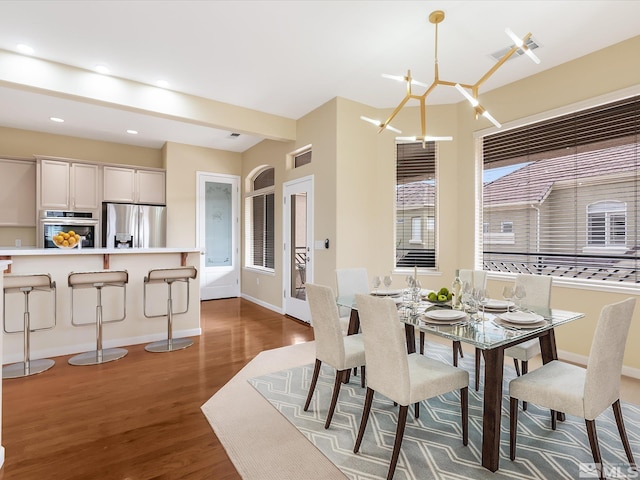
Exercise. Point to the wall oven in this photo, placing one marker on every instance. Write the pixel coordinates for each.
(54, 221)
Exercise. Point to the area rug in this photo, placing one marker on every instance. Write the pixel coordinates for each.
(432, 445)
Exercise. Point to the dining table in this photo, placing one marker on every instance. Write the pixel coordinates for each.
(487, 331)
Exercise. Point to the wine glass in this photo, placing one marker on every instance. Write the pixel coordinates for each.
(376, 283)
(481, 298)
(387, 281)
(507, 294)
(520, 293)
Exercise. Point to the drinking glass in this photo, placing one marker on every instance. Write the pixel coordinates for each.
(507, 294)
(520, 293)
(481, 298)
(376, 283)
(387, 281)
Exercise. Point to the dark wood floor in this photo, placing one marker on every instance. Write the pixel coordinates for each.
(138, 417)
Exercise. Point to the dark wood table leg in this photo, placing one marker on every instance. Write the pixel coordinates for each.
(549, 353)
(493, 365)
(410, 332)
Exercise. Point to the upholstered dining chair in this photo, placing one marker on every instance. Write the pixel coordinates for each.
(342, 352)
(582, 392)
(401, 377)
(538, 297)
(350, 281)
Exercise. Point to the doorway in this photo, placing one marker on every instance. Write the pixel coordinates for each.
(298, 254)
(218, 227)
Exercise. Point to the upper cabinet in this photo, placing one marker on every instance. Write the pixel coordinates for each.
(18, 193)
(68, 186)
(131, 185)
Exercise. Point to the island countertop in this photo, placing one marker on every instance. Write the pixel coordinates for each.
(10, 252)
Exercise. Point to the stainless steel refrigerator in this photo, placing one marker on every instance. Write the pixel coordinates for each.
(127, 225)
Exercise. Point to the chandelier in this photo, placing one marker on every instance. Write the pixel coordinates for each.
(470, 92)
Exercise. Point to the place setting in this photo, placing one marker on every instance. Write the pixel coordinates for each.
(443, 317)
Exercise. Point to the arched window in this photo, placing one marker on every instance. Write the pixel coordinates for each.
(259, 225)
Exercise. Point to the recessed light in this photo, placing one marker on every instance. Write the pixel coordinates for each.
(162, 84)
(132, 132)
(56, 119)
(26, 49)
(102, 69)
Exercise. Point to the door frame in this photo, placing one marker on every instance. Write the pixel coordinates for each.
(293, 306)
(202, 176)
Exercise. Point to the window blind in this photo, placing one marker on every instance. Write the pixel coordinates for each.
(569, 187)
(260, 208)
(415, 205)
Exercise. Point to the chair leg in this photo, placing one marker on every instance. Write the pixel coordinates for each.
(553, 420)
(460, 350)
(525, 369)
(368, 400)
(416, 410)
(513, 426)
(464, 409)
(421, 343)
(362, 375)
(402, 421)
(517, 365)
(340, 374)
(595, 448)
(617, 411)
(314, 380)
(478, 354)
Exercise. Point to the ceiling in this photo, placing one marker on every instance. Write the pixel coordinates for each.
(284, 58)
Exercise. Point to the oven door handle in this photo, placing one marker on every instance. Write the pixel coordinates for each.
(69, 221)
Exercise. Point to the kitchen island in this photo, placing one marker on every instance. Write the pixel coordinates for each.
(66, 339)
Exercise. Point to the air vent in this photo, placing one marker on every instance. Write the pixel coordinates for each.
(234, 135)
(531, 43)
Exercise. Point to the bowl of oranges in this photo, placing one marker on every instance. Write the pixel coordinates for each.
(68, 239)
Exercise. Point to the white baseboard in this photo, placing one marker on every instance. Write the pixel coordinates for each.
(279, 310)
(87, 347)
(582, 360)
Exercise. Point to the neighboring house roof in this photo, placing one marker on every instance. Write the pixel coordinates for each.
(532, 183)
(415, 194)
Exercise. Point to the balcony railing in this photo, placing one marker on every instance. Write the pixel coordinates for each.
(610, 268)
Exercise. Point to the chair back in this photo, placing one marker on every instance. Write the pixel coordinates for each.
(476, 278)
(604, 366)
(385, 347)
(326, 324)
(538, 290)
(351, 281)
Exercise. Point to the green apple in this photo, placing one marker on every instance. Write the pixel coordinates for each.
(442, 298)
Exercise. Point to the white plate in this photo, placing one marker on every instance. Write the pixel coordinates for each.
(384, 292)
(445, 315)
(493, 304)
(521, 317)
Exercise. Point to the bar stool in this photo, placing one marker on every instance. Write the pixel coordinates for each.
(169, 276)
(99, 280)
(26, 284)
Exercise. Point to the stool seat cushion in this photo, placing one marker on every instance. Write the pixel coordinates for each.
(19, 280)
(88, 279)
(162, 274)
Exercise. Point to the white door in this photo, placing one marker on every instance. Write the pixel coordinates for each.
(298, 239)
(218, 235)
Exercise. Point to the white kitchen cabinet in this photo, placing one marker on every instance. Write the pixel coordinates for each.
(68, 186)
(134, 185)
(18, 193)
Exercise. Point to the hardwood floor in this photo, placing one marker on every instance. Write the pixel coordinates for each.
(138, 417)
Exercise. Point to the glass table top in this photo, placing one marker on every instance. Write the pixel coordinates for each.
(484, 331)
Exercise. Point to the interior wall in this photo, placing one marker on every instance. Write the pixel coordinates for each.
(181, 163)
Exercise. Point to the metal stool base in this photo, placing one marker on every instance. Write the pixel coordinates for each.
(163, 345)
(93, 358)
(18, 370)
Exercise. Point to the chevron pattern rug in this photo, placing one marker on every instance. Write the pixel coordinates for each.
(432, 445)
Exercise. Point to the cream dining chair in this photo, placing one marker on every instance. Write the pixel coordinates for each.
(401, 377)
(342, 352)
(350, 281)
(582, 392)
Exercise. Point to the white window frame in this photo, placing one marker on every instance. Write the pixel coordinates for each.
(249, 222)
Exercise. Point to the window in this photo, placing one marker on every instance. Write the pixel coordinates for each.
(569, 188)
(302, 158)
(415, 205)
(606, 223)
(259, 213)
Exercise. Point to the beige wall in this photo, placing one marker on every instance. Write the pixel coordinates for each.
(182, 162)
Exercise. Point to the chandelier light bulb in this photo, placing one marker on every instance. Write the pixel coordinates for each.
(489, 117)
(379, 124)
(474, 102)
(520, 44)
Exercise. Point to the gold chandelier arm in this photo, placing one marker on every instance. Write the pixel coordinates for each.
(423, 118)
(395, 112)
(500, 62)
